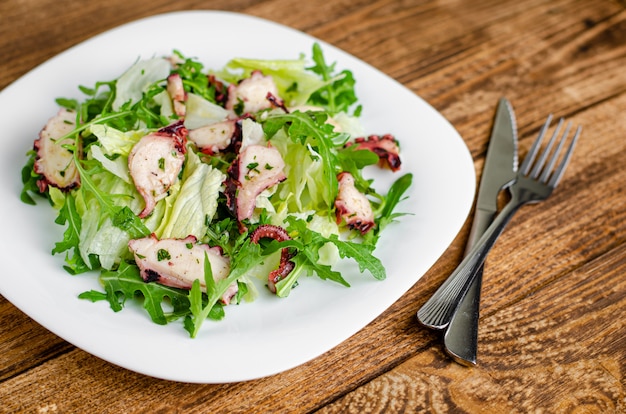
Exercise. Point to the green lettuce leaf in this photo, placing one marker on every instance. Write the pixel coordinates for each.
(311, 132)
(106, 205)
(114, 141)
(132, 84)
(117, 166)
(304, 190)
(201, 112)
(190, 209)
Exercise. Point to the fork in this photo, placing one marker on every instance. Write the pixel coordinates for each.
(535, 182)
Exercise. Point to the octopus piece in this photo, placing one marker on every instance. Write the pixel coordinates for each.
(216, 137)
(352, 206)
(54, 162)
(286, 265)
(250, 95)
(154, 163)
(175, 60)
(256, 168)
(276, 102)
(226, 136)
(177, 93)
(386, 147)
(220, 90)
(179, 262)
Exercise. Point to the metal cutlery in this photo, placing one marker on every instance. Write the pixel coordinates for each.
(499, 171)
(534, 182)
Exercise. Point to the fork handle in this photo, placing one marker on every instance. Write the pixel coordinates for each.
(437, 312)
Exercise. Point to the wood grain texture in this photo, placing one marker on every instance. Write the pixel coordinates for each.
(552, 332)
(554, 351)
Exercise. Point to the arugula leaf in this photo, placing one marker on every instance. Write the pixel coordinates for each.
(362, 254)
(200, 310)
(339, 94)
(93, 296)
(71, 237)
(304, 264)
(124, 218)
(308, 244)
(68, 214)
(193, 77)
(385, 213)
(125, 283)
(353, 161)
(394, 196)
(29, 180)
(248, 256)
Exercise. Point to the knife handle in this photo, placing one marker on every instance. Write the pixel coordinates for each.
(482, 220)
(461, 336)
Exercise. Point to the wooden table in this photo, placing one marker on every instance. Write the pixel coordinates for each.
(552, 332)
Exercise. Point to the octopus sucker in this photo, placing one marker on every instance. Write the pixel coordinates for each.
(386, 147)
(286, 265)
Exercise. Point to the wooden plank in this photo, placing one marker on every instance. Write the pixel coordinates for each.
(564, 56)
(31, 35)
(24, 344)
(561, 350)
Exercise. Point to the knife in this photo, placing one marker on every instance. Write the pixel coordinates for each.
(499, 171)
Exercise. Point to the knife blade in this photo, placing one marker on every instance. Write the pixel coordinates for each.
(499, 171)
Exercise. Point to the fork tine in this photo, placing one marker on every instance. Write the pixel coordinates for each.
(548, 170)
(544, 155)
(556, 177)
(532, 153)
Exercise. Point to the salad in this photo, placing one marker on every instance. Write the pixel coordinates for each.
(191, 189)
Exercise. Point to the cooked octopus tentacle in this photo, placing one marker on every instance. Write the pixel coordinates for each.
(257, 168)
(54, 162)
(250, 95)
(286, 265)
(219, 88)
(179, 262)
(386, 147)
(155, 161)
(177, 93)
(352, 206)
(214, 138)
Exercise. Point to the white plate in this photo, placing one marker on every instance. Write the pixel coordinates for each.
(255, 339)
